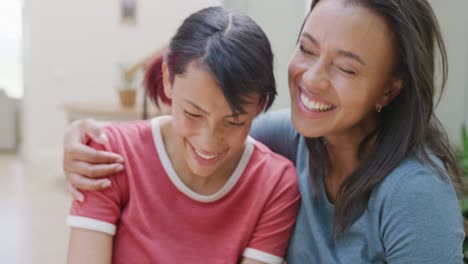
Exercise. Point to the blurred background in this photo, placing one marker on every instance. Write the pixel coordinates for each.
(65, 60)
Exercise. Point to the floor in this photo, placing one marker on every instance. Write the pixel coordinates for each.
(33, 207)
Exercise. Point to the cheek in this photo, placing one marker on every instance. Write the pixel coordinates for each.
(356, 97)
(235, 143)
(294, 67)
(184, 126)
(235, 137)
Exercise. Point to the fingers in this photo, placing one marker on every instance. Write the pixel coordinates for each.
(80, 152)
(81, 159)
(92, 170)
(75, 193)
(80, 182)
(94, 130)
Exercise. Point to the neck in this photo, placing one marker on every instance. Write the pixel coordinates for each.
(203, 185)
(343, 151)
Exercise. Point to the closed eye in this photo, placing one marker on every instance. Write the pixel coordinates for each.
(350, 72)
(303, 50)
(191, 114)
(236, 124)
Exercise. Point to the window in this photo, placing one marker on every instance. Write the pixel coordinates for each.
(11, 79)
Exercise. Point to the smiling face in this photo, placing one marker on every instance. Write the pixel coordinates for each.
(210, 138)
(341, 71)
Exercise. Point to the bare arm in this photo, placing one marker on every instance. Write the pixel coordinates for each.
(89, 247)
(82, 163)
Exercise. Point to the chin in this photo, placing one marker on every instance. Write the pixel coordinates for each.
(306, 127)
(202, 172)
(301, 124)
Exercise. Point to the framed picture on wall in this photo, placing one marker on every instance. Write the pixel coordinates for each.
(128, 11)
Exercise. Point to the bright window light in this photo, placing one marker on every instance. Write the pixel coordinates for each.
(10, 47)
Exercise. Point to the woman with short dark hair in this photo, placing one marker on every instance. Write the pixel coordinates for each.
(196, 188)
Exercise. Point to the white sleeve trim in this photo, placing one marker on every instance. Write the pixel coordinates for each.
(262, 256)
(91, 224)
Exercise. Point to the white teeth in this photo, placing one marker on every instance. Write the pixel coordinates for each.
(208, 157)
(314, 106)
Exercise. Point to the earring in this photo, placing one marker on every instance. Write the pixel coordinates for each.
(379, 108)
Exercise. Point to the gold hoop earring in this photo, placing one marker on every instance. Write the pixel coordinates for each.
(379, 108)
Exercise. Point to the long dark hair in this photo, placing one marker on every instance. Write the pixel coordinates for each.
(407, 126)
(229, 46)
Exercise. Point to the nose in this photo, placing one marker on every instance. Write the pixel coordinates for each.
(211, 139)
(316, 76)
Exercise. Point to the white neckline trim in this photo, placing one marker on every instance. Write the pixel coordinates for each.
(179, 184)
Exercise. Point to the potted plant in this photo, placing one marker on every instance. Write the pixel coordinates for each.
(131, 75)
(128, 87)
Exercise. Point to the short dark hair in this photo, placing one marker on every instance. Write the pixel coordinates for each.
(229, 46)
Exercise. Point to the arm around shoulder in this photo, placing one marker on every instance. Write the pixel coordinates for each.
(275, 130)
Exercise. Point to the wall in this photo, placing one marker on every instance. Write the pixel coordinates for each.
(453, 109)
(72, 48)
(71, 52)
(281, 20)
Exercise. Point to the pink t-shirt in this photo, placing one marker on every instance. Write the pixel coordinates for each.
(156, 218)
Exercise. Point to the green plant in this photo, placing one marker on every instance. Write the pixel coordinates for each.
(463, 159)
(464, 151)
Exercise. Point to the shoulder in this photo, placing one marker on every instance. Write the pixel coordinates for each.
(127, 129)
(275, 130)
(268, 157)
(414, 195)
(418, 212)
(126, 135)
(414, 177)
(271, 164)
(273, 120)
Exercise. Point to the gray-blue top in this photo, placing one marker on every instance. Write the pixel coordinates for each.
(412, 216)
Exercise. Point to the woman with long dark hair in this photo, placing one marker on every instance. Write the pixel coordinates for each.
(376, 171)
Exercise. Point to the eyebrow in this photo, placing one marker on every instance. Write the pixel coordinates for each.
(198, 107)
(309, 36)
(351, 55)
(207, 113)
(343, 53)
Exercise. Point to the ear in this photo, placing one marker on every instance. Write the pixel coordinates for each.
(391, 92)
(262, 104)
(166, 80)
